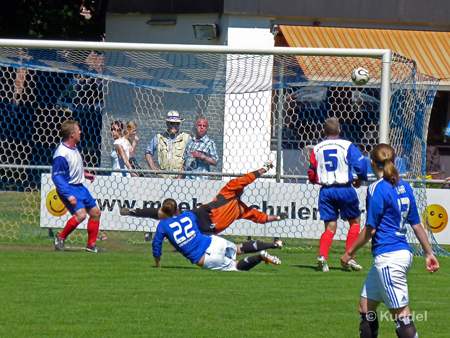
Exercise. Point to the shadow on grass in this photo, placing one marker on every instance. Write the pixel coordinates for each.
(314, 267)
(180, 267)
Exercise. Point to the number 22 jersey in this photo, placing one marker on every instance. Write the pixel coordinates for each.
(183, 233)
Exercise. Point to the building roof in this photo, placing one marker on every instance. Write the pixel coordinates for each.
(432, 13)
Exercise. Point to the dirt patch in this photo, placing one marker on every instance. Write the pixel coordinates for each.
(22, 247)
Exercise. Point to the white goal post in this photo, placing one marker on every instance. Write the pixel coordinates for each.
(261, 104)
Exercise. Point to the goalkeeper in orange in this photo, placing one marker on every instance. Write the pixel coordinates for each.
(227, 207)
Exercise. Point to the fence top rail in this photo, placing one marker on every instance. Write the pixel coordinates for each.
(212, 174)
(179, 48)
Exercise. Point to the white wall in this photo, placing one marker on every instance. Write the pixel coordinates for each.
(247, 116)
(133, 28)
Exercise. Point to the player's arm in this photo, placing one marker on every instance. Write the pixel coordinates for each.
(89, 176)
(356, 159)
(157, 246)
(257, 216)
(430, 260)
(60, 176)
(365, 235)
(254, 215)
(158, 262)
(414, 218)
(154, 213)
(312, 171)
(240, 182)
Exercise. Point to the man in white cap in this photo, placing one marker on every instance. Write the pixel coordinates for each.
(170, 146)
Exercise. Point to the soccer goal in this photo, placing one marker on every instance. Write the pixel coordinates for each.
(261, 104)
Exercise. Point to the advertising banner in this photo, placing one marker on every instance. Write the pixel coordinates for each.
(113, 192)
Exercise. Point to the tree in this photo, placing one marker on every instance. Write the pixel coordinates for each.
(52, 19)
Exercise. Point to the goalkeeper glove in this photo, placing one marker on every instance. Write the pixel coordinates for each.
(268, 165)
(282, 215)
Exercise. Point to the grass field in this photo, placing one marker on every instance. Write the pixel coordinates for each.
(120, 294)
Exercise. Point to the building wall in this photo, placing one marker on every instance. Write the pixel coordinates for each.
(133, 28)
(248, 23)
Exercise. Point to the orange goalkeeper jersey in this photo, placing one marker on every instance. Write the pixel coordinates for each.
(227, 206)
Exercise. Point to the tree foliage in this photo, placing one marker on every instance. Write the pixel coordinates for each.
(50, 20)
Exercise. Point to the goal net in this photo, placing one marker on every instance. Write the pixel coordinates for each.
(260, 105)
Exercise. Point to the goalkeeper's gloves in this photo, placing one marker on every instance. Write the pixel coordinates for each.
(282, 215)
(268, 165)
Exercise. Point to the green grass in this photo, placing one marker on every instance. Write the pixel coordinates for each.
(120, 294)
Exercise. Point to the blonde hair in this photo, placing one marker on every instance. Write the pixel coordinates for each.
(331, 126)
(67, 128)
(129, 127)
(383, 156)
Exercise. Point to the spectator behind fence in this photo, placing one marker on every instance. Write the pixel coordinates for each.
(201, 152)
(170, 146)
(120, 154)
(433, 162)
(132, 136)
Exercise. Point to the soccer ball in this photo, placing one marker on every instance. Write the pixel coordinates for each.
(360, 76)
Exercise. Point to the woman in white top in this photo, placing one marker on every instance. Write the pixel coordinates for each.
(122, 150)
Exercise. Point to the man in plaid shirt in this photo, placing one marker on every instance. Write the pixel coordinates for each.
(201, 152)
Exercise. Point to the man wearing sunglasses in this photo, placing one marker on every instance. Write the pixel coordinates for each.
(169, 146)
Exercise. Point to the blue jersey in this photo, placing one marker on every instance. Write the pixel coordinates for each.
(388, 210)
(183, 233)
(67, 169)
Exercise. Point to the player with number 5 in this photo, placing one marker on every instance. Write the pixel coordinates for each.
(390, 205)
(331, 164)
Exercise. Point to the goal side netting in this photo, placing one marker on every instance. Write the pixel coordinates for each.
(260, 105)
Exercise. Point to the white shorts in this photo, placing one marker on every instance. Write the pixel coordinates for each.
(386, 281)
(220, 255)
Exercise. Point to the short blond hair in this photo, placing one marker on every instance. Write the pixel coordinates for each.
(331, 126)
(67, 128)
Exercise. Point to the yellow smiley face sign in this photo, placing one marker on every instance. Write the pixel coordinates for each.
(54, 204)
(437, 218)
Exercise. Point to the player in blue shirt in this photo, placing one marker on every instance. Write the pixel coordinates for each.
(209, 252)
(390, 205)
(68, 176)
(331, 166)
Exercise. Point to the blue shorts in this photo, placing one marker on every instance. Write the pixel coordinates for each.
(83, 196)
(337, 199)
